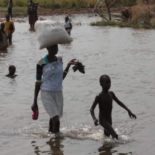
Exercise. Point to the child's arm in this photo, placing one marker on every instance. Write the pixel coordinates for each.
(92, 111)
(131, 115)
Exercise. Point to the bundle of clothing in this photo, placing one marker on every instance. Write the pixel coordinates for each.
(79, 66)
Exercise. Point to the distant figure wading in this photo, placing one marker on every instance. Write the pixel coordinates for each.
(9, 29)
(3, 38)
(32, 14)
(68, 25)
(10, 6)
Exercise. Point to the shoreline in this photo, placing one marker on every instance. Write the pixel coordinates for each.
(44, 12)
(18, 12)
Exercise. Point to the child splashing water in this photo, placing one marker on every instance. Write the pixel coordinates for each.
(104, 101)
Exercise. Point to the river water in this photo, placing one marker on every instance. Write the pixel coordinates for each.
(126, 55)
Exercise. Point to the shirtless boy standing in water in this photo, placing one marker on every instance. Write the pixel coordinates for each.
(104, 101)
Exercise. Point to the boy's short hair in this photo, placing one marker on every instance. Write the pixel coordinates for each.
(104, 76)
(12, 67)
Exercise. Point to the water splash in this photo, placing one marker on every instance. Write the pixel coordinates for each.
(122, 139)
(83, 133)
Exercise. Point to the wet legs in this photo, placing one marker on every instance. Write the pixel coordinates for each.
(54, 124)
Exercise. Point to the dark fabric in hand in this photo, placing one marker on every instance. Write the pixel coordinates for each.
(79, 66)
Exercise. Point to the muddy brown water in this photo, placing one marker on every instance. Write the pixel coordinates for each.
(127, 55)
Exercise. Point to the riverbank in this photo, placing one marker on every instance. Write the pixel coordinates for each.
(22, 11)
(142, 15)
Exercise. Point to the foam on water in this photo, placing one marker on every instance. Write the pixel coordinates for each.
(84, 132)
(122, 139)
(92, 133)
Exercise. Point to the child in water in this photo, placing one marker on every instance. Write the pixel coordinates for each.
(9, 29)
(12, 71)
(104, 101)
(3, 38)
(68, 25)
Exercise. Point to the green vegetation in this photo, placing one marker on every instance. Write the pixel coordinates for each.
(20, 6)
(139, 15)
(54, 3)
(123, 24)
(127, 2)
(17, 11)
(142, 15)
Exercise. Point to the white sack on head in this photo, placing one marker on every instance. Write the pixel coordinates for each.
(49, 34)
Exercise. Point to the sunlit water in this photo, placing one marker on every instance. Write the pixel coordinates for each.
(127, 55)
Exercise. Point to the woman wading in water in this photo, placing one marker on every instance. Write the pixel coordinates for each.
(49, 78)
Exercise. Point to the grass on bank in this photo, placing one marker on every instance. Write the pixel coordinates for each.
(66, 3)
(20, 6)
(17, 11)
(123, 24)
(143, 16)
(54, 3)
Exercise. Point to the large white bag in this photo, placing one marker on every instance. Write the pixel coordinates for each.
(50, 34)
